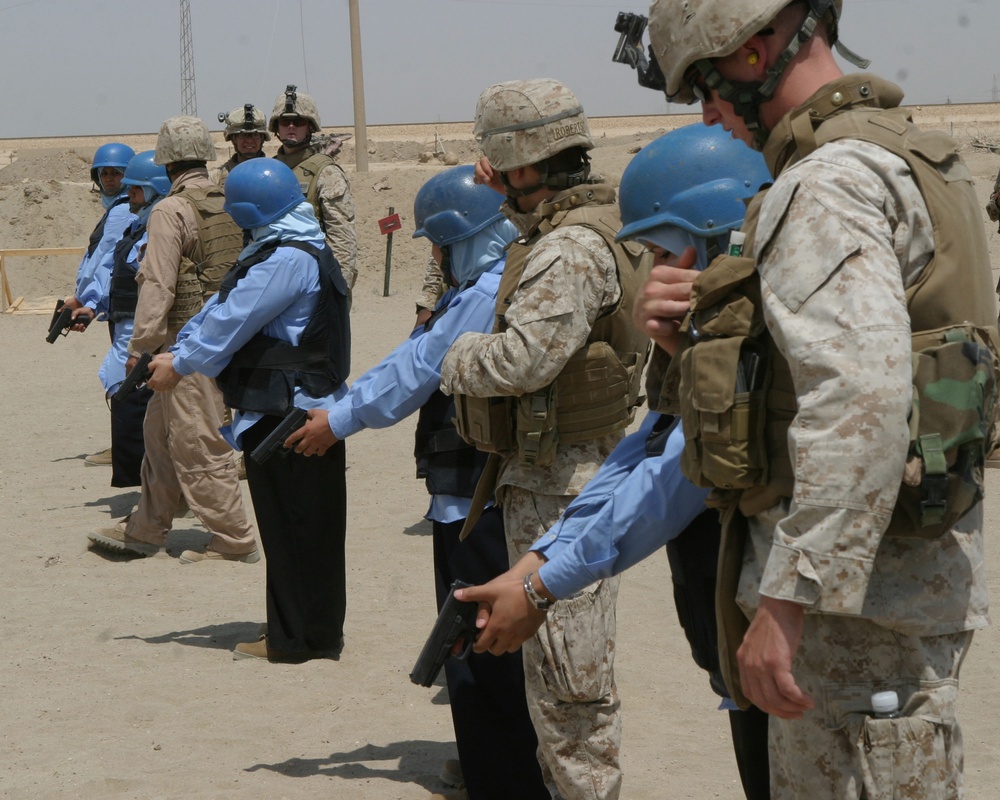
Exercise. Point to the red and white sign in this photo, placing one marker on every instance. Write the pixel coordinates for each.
(389, 224)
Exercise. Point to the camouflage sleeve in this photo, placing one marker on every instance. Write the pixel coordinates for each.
(432, 288)
(568, 278)
(170, 227)
(337, 212)
(833, 288)
(991, 207)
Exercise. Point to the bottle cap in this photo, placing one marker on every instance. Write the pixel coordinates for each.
(736, 240)
(885, 702)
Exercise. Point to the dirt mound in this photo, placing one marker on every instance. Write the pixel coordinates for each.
(48, 164)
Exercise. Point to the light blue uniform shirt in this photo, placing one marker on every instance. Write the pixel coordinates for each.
(407, 377)
(632, 506)
(276, 296)
(93, 276)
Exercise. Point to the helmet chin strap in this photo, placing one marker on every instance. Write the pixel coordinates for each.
(556, 180)
(295, 144)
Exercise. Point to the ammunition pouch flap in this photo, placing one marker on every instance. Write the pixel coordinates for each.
(486, 422)
(723, 376)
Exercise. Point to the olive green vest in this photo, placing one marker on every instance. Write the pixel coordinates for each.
(598, 389)
(220, 242)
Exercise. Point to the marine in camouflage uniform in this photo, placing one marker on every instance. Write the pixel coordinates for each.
(323, 181)
(246, 128)
(844, 601)
(188, 463)
(559, 280)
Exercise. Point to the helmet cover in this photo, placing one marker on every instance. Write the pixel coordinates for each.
(184, 139)
(519, 123)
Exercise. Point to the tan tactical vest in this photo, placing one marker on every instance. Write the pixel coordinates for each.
(307, 171)
(954, 287)
(220, 241)
(598, 389)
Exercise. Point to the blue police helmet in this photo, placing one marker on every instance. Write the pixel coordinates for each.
(141, 171)
(112, 154)
(695, 178)
(260, 191)
(450, 207)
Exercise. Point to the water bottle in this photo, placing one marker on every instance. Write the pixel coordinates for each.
(736, 240)
(885, 705)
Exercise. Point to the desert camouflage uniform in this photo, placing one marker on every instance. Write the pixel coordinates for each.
(219, 174)
(186, 460)
(841, 234)
(991, 207)
(335, 212)
(569, 277)
(432, 288)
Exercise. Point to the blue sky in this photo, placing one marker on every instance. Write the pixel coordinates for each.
(83, 67)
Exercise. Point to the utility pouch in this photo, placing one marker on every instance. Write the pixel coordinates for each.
(537, 435)
(723, 379)
(485, 422)
(951, 430)
(188, 296)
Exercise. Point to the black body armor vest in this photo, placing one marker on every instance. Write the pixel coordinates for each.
(447, 463)
(98, 233)
(263, 375)
(124, 291)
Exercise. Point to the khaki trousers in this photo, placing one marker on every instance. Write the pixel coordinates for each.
(569, 668)
(839, 751)
(188, 461)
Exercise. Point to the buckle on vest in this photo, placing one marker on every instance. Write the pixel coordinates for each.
(934, 484)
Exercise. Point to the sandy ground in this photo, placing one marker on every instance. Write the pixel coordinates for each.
(116, 675)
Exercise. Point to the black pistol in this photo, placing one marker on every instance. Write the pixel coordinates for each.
(455, 624)
(138, 375)
(630, 50)
(275, 441)
(62, 321)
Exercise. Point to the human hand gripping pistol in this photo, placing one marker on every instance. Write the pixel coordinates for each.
(138, 375)
(275, 441)
(630, 51)
(455, 626)
(62, 321)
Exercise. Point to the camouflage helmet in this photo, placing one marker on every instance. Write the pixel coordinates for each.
(525, 122)
(245, 119)
(184, 139)
(683, 32)
(293, 103)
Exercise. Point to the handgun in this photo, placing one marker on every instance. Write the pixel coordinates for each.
(455, 626)
(630, 51)
(62, 321)
(275, 440)
(137, 376)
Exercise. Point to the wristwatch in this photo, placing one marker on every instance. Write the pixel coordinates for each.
(539, 602)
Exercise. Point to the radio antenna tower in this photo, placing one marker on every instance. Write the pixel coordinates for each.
(189, 99)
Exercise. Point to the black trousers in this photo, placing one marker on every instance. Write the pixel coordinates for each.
(496, 741)
(694, 557)
(301, 509)
(127, 444)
